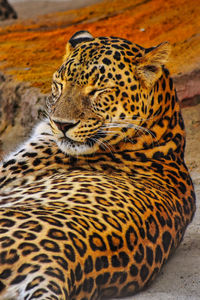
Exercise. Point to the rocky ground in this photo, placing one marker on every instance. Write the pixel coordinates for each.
(23, 90)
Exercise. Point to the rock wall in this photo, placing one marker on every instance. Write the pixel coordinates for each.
(21, 106)
(6, 11)
(31, 50)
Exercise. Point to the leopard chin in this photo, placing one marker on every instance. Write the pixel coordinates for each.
(73, 148)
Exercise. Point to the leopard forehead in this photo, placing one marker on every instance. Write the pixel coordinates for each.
(96, 61)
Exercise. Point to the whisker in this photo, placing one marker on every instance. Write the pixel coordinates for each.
(106, 132)
(103, 144)
(126, 124)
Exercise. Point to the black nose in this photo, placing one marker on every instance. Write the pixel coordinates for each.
(64, 127)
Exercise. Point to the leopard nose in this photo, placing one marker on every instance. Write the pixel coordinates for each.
(64, 127)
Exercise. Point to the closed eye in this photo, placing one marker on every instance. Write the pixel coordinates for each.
(56, 90)
(100, 91)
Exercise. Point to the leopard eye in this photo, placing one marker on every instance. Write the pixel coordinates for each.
(56, 91)
(92, 93)
(97, 92)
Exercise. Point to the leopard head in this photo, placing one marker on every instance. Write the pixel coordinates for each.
(103, 93)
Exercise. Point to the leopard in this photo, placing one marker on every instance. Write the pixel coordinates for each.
(98, 198)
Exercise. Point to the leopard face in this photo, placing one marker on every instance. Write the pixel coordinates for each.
(102, 93)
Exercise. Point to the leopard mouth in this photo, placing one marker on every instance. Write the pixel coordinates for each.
(72, 147)
(66, 139)
(90, 141)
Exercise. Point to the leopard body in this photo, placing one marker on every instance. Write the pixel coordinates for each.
(94, 203)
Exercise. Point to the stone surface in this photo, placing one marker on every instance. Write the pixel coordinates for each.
(37, 45)
(20, 108)
(32, 49)
(6, 11)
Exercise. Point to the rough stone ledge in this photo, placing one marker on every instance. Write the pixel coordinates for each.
(188, 85)
(20, 109)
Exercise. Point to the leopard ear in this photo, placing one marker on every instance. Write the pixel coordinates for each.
(149, 66)
(77, 38)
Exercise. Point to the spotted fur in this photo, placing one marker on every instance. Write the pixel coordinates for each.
(93, 204)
